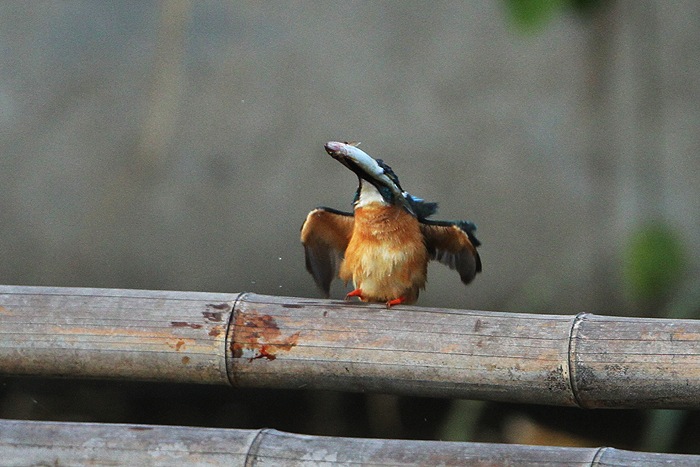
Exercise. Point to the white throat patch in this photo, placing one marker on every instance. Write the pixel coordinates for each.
(369, 194)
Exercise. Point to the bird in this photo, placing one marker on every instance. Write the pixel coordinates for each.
(384, 245)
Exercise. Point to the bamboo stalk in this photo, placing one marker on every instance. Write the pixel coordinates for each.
(65, 443)
(111, 333)
(282, 342)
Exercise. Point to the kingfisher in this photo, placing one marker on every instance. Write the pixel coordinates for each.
(385, 244)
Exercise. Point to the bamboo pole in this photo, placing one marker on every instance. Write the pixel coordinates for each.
(65, 443)
(282, 342)
(110, 333)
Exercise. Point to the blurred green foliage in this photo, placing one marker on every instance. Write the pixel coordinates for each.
(533, 15)
(653, 262)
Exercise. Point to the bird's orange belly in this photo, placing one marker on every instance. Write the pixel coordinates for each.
(386, 257)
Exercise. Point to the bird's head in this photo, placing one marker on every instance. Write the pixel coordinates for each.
(374, 172)
(378, 175)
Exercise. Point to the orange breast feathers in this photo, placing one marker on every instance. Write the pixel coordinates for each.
(386, 257)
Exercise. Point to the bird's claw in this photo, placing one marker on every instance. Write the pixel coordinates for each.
(354, 293)
(396, 301)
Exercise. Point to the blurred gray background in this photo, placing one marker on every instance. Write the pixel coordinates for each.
(179, 145)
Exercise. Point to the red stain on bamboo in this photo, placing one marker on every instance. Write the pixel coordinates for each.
(185, 324)
(215, 331)
(261, 335)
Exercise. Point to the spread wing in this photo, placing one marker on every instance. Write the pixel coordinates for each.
(453, 244)
(325, 235)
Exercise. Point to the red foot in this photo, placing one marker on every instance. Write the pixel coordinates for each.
(354, 293)
(396, 301)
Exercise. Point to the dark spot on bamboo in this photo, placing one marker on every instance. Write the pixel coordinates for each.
(264, 326)
(185, 360)
(185, 324)
(291, 305)
(555, 380)
(219, 306)
(478, 325)
(325, 313)
(215, 331)
(215, 316)
(614, 370)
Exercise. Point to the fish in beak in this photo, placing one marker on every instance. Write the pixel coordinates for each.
(375, 172)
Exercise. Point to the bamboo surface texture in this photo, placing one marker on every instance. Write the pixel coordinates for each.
(61, 443)
(281, 342)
